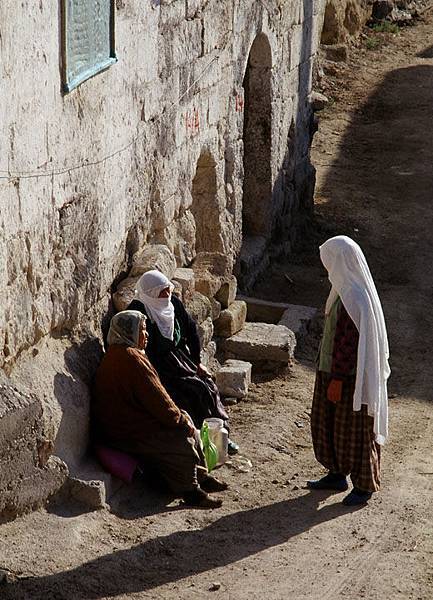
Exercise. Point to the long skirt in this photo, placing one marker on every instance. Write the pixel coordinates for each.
(343, 439)
(198, 396)
(178, 459)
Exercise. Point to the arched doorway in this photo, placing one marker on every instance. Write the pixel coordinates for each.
(205, 205)
(257, 189)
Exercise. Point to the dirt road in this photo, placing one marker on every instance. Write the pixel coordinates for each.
(273, 539)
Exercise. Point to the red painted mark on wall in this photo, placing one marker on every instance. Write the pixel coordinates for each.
(192, 121)
(239, 102)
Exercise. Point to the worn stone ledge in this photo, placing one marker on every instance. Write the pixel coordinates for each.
(261, 343)
(28, 474)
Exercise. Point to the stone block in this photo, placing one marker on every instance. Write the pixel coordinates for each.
(211, 270)
(233, 378)
(28, 474)
(205, 332)
(336, 52)
(92, 493)
(217, 263)
(232, 319)
(227, 293)
(125, 293)
(216, 308)
(199, 307)
(206, 283)
(261, 343)
(155, 256)
(264, 311)
(318, 101)
(186, 279)
(297, 317)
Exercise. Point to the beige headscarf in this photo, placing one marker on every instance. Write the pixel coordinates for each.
(352, 281)
(125, 328)
(160, 310)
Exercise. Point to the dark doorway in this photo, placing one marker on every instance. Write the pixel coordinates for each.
(257, 190)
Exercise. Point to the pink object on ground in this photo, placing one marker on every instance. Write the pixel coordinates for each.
(117, 463)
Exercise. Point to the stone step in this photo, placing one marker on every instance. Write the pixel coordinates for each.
(232, 319)
(264, 311)
(233, 378)
(294, 316)
(262, 344)
(90, 484)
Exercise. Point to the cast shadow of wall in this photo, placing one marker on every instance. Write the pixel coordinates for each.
(185, 553)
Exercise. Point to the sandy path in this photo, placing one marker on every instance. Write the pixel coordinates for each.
(272, 538)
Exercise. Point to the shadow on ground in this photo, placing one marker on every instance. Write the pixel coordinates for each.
(181, 554)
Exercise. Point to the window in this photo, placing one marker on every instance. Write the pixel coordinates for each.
(88, 39)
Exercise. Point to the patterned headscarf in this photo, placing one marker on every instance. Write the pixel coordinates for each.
(125, 328)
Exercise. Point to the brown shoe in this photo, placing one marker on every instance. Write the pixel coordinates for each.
(211, 484)
(200, 499)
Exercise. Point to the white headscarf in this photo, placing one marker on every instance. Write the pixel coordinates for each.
(352, 281)
(160, 310)
(125, 328)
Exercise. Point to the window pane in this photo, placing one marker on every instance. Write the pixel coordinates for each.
(88, 43)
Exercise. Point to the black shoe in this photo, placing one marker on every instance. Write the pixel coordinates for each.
(357, 497)
(211, 484)
(200, 499)
(331, 481)
(232, 447)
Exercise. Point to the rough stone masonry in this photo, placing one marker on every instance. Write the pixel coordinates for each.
(197, 138)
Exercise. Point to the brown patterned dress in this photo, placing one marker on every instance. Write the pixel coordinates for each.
(343, 439)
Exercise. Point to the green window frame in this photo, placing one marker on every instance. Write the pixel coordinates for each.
(87, 40)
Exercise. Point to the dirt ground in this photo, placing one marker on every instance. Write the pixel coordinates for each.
(273, 538)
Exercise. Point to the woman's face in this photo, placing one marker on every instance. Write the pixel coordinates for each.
(142, 336)
(165, 293)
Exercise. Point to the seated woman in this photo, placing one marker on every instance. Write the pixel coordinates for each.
(134, 413)
(174, 350)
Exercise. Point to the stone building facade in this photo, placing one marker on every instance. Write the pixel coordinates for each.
(197, 138)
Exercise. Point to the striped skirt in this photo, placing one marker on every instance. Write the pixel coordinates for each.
(343, 439)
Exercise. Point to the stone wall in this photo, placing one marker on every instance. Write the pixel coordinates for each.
(197, 138)
(344, 19)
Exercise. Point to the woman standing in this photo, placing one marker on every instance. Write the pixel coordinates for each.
(349, 417)
(174, 350)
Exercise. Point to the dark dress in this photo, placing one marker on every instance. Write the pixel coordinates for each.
(176, 362)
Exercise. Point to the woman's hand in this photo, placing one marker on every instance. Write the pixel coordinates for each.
(203, 371)
(334, 391)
